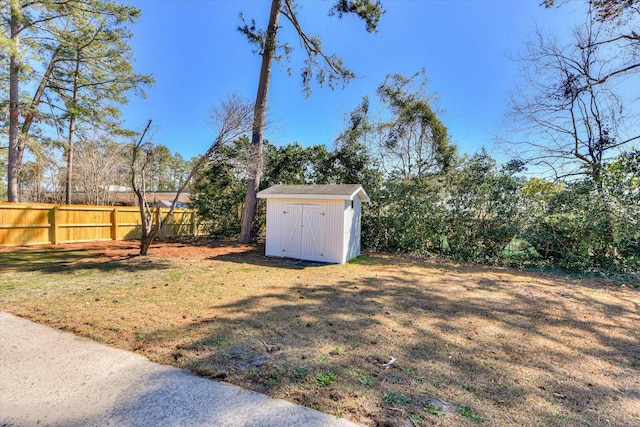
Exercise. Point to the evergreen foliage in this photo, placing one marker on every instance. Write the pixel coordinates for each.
(478, 211)
(426, 200)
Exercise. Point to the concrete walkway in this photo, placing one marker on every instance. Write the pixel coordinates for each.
(53, 378)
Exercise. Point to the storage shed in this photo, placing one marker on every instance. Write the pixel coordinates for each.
(314, 222)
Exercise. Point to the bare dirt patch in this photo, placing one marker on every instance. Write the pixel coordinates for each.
(471, 344)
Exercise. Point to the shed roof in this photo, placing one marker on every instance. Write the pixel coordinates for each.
(335, 192)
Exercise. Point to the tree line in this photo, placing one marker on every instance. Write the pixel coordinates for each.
(68, 65)
(568, 197)
(427, 199)
(102, 173)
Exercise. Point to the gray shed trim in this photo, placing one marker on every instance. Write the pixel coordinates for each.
(328, 192)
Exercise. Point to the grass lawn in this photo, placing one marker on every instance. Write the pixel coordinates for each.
(471, 344)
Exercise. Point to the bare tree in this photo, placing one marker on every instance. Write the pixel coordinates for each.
(232, 120)
(99, 166)
(406, 137)
(620, 25)
(35, 176)
(415, 142)
(569, 115)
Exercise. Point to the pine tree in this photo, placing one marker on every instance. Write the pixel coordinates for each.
(320, 66)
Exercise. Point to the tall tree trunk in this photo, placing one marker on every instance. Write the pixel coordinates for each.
(72, 131)
(259, 115)
(14, 107)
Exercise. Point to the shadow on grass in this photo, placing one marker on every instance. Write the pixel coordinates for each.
(493, 343)
(508, 360)
(255, 256)
(67, 260)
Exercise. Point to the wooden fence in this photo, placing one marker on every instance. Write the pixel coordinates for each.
(39, 224)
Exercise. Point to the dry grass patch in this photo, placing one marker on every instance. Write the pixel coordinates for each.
(472, 344)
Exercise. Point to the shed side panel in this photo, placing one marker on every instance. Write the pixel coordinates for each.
(275, 228)
(334, 227)
(351, 230)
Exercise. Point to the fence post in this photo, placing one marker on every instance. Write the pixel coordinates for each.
(194, 227)
(54, 226)
(114, 224)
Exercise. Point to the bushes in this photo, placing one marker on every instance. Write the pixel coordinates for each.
(468, 214)
(479, 213)
(482, 209)
(219, 200)
(475, 211)
(583, 228)
(404, 217)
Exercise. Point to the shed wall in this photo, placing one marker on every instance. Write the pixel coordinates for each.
(352, 226)
(277, 224)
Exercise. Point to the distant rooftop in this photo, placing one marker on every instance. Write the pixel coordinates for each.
(340, 191)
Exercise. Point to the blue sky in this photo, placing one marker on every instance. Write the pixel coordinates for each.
(197, 57)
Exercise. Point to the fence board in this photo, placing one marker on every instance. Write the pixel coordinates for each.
(39, 224)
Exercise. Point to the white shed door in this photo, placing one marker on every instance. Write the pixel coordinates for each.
(314, 232)
(293, 231)
(305, 232)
